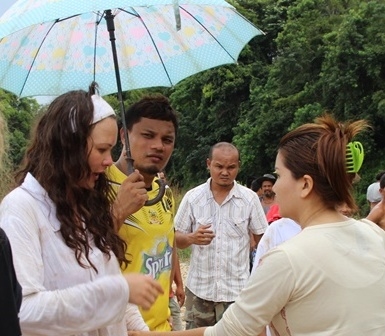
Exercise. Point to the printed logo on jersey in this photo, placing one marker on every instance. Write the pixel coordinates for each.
(156, 264)
(153, 217)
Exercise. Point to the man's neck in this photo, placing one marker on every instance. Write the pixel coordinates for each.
(121, 164)
(220, 189)
(220, 192)
(268, 200)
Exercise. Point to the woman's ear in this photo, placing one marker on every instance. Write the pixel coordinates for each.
(307, 185)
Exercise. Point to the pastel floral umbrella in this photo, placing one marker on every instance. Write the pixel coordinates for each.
(48, 47)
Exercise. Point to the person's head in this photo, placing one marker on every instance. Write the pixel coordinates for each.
(311, 166)
(256, 187)
(72, 141)
(152, 128)
(250, 180)
(379, 175)
(267, 181)
(223, 164)
(68, 154)
(374, 194)
(382, 185)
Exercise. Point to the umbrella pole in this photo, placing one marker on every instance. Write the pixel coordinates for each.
(130, 161)
(111, 29)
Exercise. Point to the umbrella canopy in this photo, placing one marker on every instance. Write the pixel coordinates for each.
(46, 53)
(48, 47)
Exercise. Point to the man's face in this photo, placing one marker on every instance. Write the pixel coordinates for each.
(267, 185)
(267, 189)
(151, 144)
(223, 166)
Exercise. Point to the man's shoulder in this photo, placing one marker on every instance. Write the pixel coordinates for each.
(377, 214)
(244, 191)
(197, 191)
(114, 174)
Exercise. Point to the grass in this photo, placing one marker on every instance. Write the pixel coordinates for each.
(184, 254)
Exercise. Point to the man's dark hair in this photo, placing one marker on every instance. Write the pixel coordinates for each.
(255, 185)
(152, 107)
(382, 182)
(379, 175)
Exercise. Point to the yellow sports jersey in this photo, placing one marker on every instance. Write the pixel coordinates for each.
(149, 234)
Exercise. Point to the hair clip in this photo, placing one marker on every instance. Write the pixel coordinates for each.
(354, 156)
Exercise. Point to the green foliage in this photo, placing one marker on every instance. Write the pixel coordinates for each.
(315, 56)
(19, 114)
(5, 169)
(184, 255)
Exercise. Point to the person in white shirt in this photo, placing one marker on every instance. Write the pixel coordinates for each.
(215, 219)
(329, 279)
(61, 228)
(277, 232)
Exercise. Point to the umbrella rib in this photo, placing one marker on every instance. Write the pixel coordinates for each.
(95, 39)
(34, 59)
(95, 42)
(67, 18)
(194, 18)
(154, 44)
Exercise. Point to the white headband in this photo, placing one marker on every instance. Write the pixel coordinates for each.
(102, 109)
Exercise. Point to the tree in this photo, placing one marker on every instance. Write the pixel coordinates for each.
(19, 114)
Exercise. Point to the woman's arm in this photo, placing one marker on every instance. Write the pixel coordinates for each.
(191, 332)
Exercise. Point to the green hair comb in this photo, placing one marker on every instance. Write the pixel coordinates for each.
(354, 156)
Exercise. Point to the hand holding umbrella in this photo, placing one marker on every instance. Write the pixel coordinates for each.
(50, 47)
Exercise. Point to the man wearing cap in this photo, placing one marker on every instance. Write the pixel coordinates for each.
(377, 214)
(373, 194)
(215, 219)
(268, 196)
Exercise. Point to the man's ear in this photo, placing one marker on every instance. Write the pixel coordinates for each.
(121, 135)
(208, 162)
(307, 185)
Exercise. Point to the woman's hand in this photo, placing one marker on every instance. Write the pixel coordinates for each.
(144, 290)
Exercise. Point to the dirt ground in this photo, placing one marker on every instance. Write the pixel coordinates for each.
(184, 269)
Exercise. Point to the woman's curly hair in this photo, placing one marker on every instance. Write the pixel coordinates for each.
(58, 158)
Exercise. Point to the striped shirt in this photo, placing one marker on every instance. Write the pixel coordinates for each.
(219, 271)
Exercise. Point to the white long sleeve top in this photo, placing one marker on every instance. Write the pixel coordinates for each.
(328, 280)
(59, 296)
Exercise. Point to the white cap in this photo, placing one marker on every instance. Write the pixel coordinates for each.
(102, 109)
(373, 194)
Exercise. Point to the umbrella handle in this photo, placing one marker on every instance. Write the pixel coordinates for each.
(161, 183)
(162, 189)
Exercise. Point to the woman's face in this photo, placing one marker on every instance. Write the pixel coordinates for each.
(287, 190)
(99, 144)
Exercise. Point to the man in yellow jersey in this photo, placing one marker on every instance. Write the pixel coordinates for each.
(149, 230)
